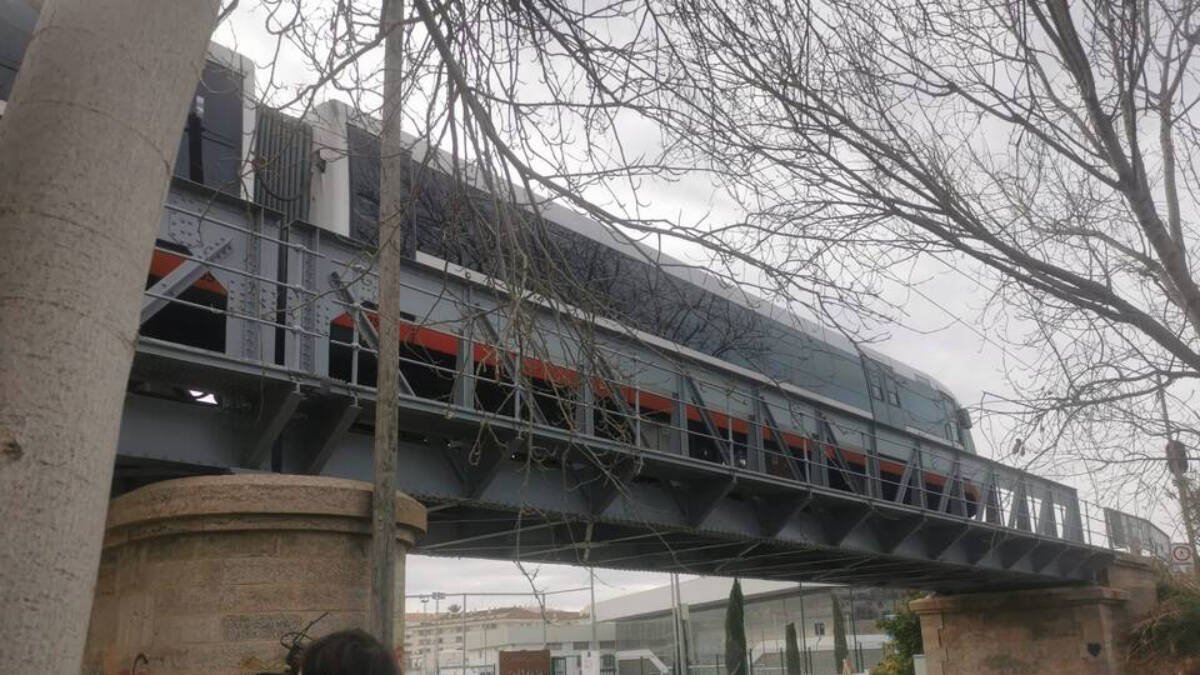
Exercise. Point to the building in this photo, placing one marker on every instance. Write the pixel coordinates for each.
(636, 633)
(441, 642)
(645, 633)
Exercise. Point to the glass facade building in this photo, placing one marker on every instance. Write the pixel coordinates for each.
(646, 642)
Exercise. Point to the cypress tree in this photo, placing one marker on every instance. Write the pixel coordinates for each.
(735, 632)
(793, 651)
(840, 651)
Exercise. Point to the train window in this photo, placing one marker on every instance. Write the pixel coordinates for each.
(210, 148)
(954, 432)
(891, 385)
(873, 384)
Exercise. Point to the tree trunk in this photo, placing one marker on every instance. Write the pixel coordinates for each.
(392, 207)
(841, 652)
(86, 147)
(792, 654)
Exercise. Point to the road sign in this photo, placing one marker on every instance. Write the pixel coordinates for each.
(1182, 558)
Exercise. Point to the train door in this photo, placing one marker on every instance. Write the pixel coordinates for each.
(883, 387)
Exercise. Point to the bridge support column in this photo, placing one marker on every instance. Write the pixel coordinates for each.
(207, 574)
(1077, 630)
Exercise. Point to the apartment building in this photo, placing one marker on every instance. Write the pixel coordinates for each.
(469, 643)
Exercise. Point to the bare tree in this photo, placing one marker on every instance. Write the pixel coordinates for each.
(1049, 147)
(86, 146)
(1037, 148)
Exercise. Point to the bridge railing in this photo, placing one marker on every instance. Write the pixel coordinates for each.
(242, 284)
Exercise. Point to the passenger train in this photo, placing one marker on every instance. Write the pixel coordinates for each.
(324, 170)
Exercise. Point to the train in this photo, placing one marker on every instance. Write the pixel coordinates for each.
(863, 412)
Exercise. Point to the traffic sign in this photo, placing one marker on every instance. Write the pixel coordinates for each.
(1182, 558)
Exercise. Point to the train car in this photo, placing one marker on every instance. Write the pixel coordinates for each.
(638, 286)
(863, 402)
(836, 405)
(324, 170)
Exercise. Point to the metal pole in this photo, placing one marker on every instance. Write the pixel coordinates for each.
(804, 631)
(677, 625)
(854, 632)
(464, 633)
(595, 638)
(437, 634)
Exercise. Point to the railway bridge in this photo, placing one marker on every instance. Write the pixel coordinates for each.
(534, 432)
(533, 429)
(604, 447)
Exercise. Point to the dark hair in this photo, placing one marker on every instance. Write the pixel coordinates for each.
(347, 652)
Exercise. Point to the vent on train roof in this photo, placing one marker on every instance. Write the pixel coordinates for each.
(282, 164)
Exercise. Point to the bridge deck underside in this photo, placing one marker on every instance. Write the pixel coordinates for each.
(505, 489)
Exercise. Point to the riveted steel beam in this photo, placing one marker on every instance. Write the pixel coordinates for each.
(182, 277)
(275, 412)
(329, 423)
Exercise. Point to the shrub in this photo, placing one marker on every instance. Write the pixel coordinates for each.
(1168, 640)
(904, 627)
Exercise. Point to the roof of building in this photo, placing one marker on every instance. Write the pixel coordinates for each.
(496, 614)
(699, 591)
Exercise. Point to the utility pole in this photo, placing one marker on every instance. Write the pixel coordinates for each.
(592, 588)
(437, 640)
(544, 619)
(392, 206)
(593, 662)
(674, 621)
(854, 631)
(680, 628)
(804, 632)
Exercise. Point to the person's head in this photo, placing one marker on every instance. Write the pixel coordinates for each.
(347, 652)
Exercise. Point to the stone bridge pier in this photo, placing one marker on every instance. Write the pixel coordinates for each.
(208, 574)
(1074, 630)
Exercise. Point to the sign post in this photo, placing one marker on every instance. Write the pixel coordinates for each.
(1182, 559)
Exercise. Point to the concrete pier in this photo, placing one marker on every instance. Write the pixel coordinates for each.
(1075, 630)
(207, 574)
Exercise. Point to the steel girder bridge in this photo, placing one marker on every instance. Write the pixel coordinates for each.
(599, 447)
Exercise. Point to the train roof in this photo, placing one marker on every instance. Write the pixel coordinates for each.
(630, 245)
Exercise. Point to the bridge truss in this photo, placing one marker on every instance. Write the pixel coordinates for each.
(595, 446)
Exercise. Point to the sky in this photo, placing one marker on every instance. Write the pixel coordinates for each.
(570, 585)
(940, 335)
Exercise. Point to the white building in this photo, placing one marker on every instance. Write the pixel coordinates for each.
(636, 633)
(440, 643)
(646, 636)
